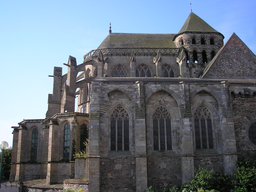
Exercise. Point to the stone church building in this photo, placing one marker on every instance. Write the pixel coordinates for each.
(151, 108)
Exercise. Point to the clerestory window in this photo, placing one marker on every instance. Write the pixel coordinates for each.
(34, 143)
(119, 71)
(203, 128)
(167, 71)
(143, 71)
(162, 136)
(66, 148)
(119, 129)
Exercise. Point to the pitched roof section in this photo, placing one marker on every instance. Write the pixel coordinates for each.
(138, 40)
(233, 61)
(196, 24)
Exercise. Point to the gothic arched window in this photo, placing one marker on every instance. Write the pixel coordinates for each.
(143, 71)
(252, 133)
(66, 148)
(203, 128)
(119, 71)
(162, 129)
(119, 129)
(34, 143)
(84, 136)
(167, 71)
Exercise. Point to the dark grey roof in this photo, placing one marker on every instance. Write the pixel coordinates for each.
(138, 40)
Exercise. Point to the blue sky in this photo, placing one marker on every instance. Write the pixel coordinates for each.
(37, 35)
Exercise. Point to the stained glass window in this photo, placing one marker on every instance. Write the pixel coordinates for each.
(143, 71)
(119, 129)
(167, 71)
(162, 137)
(34, 143)
(119, 71)
(203, 128)
(66, 148)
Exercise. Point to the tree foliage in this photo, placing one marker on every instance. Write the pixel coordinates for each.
(6, 167)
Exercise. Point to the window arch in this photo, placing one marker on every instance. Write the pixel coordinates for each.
(252, 133)
(211, 41)
(84, 136)
(119, 129)
(195, 60)
(143, 71)
(203, 128)
(193, 40)
(167, 71)
(162, 137)
(34, 143)
(66, 148)
(119, 71)
(204, 56)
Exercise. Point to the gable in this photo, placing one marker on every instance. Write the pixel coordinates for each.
(234, 61)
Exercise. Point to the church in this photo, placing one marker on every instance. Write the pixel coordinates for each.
(150, 108)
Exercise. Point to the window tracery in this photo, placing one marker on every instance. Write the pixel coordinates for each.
(167, 71)
(143, 71)
(119, 129)
(162, 137)
(34, 142)
(203, 128)
(119, 71)
(66, 148)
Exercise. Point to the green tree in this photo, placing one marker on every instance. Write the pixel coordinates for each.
(6, 167)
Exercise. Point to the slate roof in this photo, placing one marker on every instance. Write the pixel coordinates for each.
(138, 40)
(194, 24)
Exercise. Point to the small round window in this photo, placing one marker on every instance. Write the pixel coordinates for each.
(252, 133)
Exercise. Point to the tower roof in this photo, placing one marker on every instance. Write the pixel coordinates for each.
(195, 24)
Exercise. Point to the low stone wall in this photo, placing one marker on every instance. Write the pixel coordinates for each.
(76, 184)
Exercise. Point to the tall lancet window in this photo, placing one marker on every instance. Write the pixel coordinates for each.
(119, 129)
(203, 128)
(66, 148)
(34, 143)
(162, 136)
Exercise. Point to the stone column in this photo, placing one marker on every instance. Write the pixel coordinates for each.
(182, 61)
(14, 153)
(21, 153)
(51, 176)
(140, 140)
(94, 141)
(228, 133)
(187, 146)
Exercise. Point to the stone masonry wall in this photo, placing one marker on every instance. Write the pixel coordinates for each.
(164, 171)
(244, 115)
(117, 174)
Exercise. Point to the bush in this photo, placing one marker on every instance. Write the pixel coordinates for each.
(6, 167)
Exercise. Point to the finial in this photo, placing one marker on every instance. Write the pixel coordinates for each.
(190, 7)
(110, 31)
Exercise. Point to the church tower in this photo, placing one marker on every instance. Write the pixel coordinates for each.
(200, 43)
